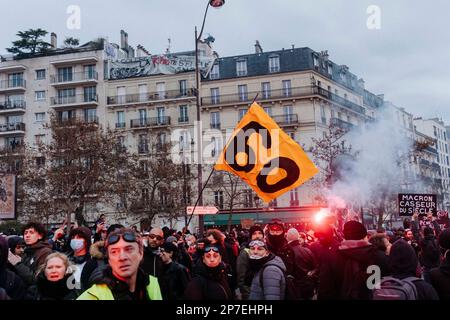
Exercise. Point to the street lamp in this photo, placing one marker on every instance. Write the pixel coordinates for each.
(214, 4)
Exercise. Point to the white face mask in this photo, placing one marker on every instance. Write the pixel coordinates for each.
(76, 244)
(145, 242)
(255, 257)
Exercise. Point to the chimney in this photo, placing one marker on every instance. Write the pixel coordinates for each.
(123, 40)
(53, 40)
(324, 55)
(361, 83)
(258, 48)
(381, 96)
(293, 47)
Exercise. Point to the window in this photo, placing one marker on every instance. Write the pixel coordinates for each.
(184, 140)
(446, 157)
(15, 80)
(161, 89)
(16, 101)
(14, 119)
(90, 115)
(215, 97)
(40, 162)
(242, 90)
(214, 72)
(274, 64)
(143, 143)
(288, 114)
(90, 94)
(248, 198)
(39, 116)
(142, 92)
(40, 74)
(315, 61)
(215, 149)
(268, 110)
(265, 88)
(434, 130)
(330, 69)
(65, 74)
(218, 199)
(89, 72)
(39, 95)
(120, 119)
(66, 96)
(142, 117)
(161, 114)
(183, 87)
(287, 88)
(242, 113)
(294, 197)
(215, 120)
(161, 140)
(291, 135)
(39, 139)
(322, 114)
(183, 114)
(241, 68)
(121, 94)
(446, 148)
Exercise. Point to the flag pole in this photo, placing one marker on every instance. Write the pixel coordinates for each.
(207, 180)
(198, 198)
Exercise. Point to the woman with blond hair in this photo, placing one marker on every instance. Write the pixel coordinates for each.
(55, 280)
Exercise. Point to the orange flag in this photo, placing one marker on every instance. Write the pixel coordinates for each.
(264, 156)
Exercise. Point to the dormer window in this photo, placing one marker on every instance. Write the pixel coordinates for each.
(274, 64)
(241, 68)
(214, 74)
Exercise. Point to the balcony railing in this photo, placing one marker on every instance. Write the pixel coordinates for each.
(11, 84)
(150, 122)
(81, 99)
(215, 125)
(120, 125)
(15, 104)
(152, 96)
(143, 148)
(286, 119)
(19, 126)
(342, 124)
(294, 92)
(78, 120)
(74, 77)
(12, 148)
(183, 119)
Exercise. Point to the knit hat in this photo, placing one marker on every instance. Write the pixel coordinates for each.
(292, 235)
(14, 241)
(253, 229)
(444, 239)
(354, 230)
(169, 247)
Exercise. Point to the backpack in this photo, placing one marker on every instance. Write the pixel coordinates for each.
(396, 289)
(354, 285)
(291, 292)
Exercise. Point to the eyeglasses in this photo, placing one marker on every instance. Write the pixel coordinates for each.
(127, 236)
(153, 236)
(215, 249)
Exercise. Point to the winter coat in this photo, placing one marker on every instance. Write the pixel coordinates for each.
(52, 290)
(440, 279)
(403, 263)
(152, 263)
(429, 255)
(33, 258)
(208, 284)
(242, 272)
(273, 284)
(344, 272)
(183, 257)
(174, 281)
(12, 284)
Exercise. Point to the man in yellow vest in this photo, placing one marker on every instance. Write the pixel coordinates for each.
(123, 279)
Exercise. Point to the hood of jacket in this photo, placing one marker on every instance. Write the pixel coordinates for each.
(96, 250)
(3, 252)
(359, 250)
(41, 244)
(276, 261)
(402, 260)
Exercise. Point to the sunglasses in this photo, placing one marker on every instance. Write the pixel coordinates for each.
(127, 236)
(208, 249)
(153, 236)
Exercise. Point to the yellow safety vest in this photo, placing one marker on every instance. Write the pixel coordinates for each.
(102, 292)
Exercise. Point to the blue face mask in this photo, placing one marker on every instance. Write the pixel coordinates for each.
(76, 244)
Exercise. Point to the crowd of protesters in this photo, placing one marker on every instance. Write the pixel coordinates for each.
(271, 262)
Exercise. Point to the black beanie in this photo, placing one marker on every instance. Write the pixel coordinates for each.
(253, 229)
(354, 230)
(444, 239)
(14, 241)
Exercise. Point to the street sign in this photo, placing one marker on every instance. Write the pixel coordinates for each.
(202, 210)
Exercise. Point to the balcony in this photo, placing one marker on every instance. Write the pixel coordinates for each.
(78, 120)
(76, 100)
(74, 78)
(286, 120)
(424, 162)
(12, 128)
(143, 148)
(150, 122)
(150, 97)
(342, 124)
(215, 125)
(280, 94)
(120, 125)
(183, 119)
(436, 166)
(12, 148)
(12, 106)
(12, 85)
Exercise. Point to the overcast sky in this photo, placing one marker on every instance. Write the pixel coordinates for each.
(407, 59)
